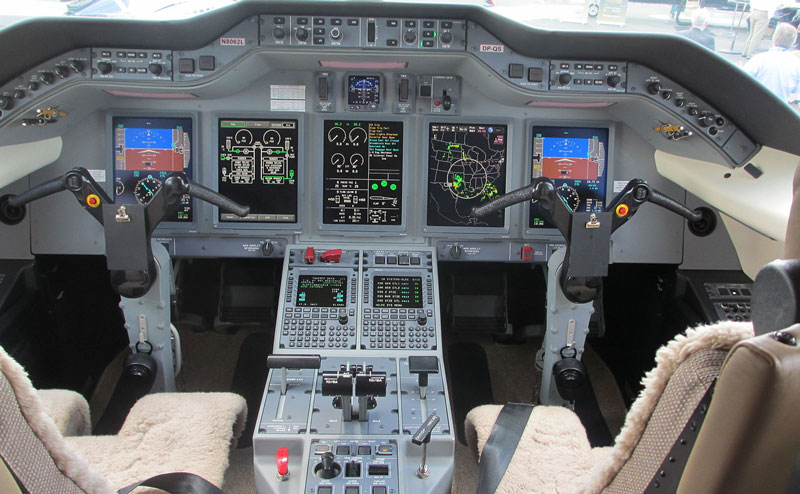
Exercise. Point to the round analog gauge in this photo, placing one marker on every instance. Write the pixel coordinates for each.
(570, 196)
(272, 137)
(243, 137)
(337, 135)
(145, 189)
(356, 160)
(119, 187)
(337, 160)
(358, 135)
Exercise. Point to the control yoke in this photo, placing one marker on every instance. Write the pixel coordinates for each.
(127, 227)
(588, 235)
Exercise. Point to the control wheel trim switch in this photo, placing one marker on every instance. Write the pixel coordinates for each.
(423, 437)
(282, 462)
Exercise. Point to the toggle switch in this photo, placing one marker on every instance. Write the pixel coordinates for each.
(423, 437)
(309, 257)
(282, 462)
(334, 255)
(423, 366)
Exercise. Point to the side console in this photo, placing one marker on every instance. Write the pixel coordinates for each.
(356, 399)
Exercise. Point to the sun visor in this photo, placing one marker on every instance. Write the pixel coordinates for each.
(19, 160)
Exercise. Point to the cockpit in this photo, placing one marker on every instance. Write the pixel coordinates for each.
(365, 221)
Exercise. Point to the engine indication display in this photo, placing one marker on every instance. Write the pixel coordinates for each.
(576, 159)
(362, 173)
(146, 150)
(403, 292)
(466, 167)
(321, 291)
(364, 92)
(258, 167)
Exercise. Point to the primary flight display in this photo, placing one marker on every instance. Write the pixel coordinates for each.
(466, 168)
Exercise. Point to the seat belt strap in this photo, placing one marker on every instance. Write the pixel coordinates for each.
(501, 445)
(176, 483)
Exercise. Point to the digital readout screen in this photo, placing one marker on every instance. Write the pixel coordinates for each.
(321, 291)
(404, 292)
(364, 90)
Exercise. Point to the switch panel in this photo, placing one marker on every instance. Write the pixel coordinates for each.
(325, 94)
(602, 77)
(439, 94)
(361, 467)
(134, 65)
(196, 64)
(405, 95)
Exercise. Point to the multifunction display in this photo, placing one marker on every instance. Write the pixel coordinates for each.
(403, 292)
(321, 291)
(466, 168)
(362, 173)
(258, 168)
(146, 150)
(364, 91)
(576, 159)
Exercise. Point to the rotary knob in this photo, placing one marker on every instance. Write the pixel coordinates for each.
(706, 119)
(104, 67)
(343, 317)
(278, 33)
(155, 68)
(613, 80)
(336, 34)
(301, 34)
(456, 251)
(76, 66)
(61, 71)
(47, 78)
(447, 37)
(563, 79)
(33, 86)
(19, 94)
(654, 87)
(6, 103)
(410, 37)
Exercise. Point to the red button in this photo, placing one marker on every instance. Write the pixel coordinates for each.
(282, 461)
(437, 103)
(527, 253)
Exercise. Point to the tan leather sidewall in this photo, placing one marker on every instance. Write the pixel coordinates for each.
(7, 482)
(792, 246)
(749, 440)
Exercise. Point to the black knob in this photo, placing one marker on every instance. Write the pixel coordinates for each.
(19, 94)
(706, 119)
(410, 37)
(104, 67)
(62, 72)
(76, 66)
(327, 468)
(336, 34)
(155, 68)
(422, 320)
(563, 79)
(278, 33)
(455, 251)
(6, 103)
(301, 34)
(692, 110)
(342, 317)
(267, 249)
(33, 86)
(666, 94)
(447, 38)
(47, 78)
(654, 87)
(679, 102)
(613, 80)
(719, 121)
(447, 102)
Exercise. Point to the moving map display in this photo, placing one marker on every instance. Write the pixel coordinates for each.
(466, 168)
(258, 167)
(576, 159)
(146, 150)
(362, 173)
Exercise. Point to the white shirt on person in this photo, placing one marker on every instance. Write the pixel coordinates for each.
(778, 69)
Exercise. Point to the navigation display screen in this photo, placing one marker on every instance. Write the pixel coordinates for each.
(258, 168)
(576, 159)
(363, 90)
(321, 291)
(466, 168)
(362, 173)
(146, 150)
(403, 292)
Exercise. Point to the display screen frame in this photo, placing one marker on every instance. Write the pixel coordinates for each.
(345, 287)
(211, 180)
(511, 179)
(317, 199)
(553, 233)
(375, 282)
(108, 185)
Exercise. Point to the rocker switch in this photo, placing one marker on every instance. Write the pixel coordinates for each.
(402, 92)
(323, 88)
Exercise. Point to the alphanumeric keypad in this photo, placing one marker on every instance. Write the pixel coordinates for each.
(397, 329)
(318, 327)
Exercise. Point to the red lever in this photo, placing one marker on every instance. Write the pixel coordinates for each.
(334, 255)
(282, 460)
(309, 255)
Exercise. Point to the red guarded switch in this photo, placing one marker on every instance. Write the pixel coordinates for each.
(334, 255)
(282, 461)
(309, 257)
(527, 253)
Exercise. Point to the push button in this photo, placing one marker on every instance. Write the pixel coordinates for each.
(527, 253)
(515, 70)
(186, 66)
(207, 62)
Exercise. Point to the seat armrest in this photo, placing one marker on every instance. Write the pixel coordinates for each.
(68, 409)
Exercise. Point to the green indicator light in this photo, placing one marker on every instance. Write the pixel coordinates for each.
(434, 34)
(384, 183)
(420, 44)
(291, 174)
(393, 186)
(374, 186)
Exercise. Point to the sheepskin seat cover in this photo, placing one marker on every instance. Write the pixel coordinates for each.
(554, 454)
(164, 432)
